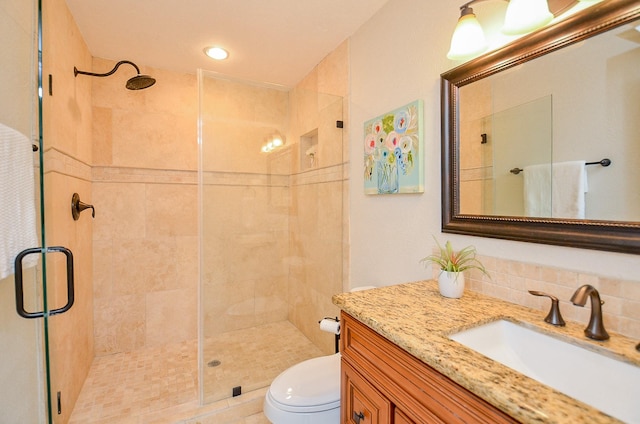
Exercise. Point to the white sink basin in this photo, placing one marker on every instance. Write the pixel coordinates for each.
(605, 383)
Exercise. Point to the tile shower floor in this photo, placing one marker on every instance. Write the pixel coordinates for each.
(160, 385)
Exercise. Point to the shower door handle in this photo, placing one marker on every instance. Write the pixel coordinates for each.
(20, 288)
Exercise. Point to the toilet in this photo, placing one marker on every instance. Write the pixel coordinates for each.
(308, 392)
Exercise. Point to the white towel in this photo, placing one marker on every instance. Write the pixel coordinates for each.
(17, 200)
(569, 187)
(555, 190)
(537, 190)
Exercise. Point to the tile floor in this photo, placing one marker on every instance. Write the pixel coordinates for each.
(160, 385)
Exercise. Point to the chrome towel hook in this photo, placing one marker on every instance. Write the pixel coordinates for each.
(78, 206)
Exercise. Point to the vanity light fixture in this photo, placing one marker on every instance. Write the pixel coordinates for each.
(217, 53)
(468, 38)
(522, 16)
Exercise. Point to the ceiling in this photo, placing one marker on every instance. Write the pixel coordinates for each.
(269, 41)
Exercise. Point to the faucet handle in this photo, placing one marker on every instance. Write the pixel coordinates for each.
(553, 317)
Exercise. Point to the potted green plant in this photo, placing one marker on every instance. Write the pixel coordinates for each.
(452, 264)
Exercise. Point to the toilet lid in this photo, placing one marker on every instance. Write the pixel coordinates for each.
(311, 385)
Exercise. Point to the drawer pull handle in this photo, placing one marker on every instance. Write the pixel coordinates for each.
(357, 417)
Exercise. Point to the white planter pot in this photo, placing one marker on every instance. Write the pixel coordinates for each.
(451, 284)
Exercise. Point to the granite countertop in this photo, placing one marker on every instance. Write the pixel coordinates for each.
(417, 318)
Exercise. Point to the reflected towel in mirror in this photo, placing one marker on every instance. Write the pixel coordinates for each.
(555, 190)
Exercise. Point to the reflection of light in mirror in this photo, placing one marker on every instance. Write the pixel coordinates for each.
(274, 142)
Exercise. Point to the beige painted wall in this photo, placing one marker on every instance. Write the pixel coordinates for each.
(387, 245)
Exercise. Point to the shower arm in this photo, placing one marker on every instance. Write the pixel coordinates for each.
(76, 71)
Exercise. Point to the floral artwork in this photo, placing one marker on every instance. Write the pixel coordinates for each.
(393, 152)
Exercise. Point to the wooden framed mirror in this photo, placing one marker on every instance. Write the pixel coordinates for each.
(608, 122)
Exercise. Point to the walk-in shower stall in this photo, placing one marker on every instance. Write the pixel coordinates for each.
(271, 193)
(271, 225)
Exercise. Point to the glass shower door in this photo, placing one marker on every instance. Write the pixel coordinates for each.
(27, 304)
(271, 231)
(23, 366)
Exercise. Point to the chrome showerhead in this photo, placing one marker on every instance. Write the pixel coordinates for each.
(139, 82)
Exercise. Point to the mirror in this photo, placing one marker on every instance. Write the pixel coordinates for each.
(519, 125)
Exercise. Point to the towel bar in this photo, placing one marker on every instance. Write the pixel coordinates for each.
(603, 162)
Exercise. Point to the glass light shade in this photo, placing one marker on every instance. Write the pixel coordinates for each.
(524, 16)
(217, 53)
(468, 38)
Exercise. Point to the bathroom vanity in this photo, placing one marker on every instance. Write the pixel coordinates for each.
(382, 381)
(400, 366)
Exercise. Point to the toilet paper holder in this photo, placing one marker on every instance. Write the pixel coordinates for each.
(337, 335)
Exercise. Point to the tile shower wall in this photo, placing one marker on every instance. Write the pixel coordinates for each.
(319, 226)
(145, 194)
(245, 205)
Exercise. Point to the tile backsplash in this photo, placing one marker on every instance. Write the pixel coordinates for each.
(511, 281)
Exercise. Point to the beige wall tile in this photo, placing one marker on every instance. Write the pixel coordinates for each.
(144, 265)
(120, 212)
(333, 71)
(153, 140)
(171, 316)
(228, 307)
(102, 136)
(171, 210)
(102, 268)
(622, 298)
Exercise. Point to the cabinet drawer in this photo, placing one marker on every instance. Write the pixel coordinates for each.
(422, 394)
(362, 403)
(400, 418)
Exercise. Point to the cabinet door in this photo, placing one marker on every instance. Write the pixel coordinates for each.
(363, 403)
(400, 418)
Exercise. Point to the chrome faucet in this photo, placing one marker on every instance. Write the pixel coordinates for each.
(595, 329)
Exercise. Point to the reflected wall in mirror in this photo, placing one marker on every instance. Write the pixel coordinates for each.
(490, 145)
(521, 123)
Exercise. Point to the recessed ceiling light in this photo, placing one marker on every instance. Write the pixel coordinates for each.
(217, 53)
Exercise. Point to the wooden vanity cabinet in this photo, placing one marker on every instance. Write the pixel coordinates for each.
(383, 384)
